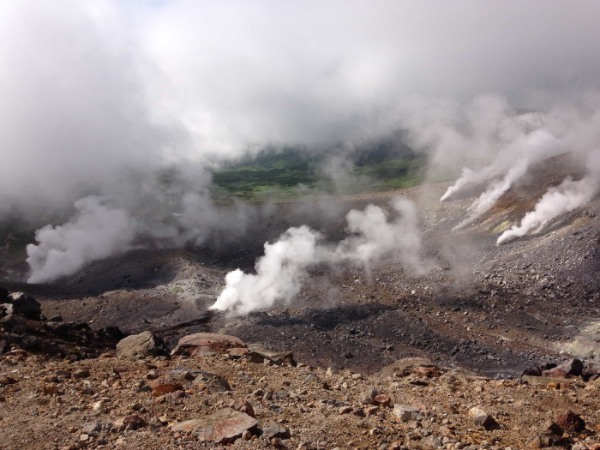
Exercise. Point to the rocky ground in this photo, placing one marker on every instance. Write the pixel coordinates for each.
(481, 313)
(212, 391)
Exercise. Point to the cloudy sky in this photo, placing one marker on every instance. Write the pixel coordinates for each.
(91, 87)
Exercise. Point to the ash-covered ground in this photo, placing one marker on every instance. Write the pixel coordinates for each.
(492, 309)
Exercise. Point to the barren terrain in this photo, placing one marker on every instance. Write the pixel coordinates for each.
(482, 313)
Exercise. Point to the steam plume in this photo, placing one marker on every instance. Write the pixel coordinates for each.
(95, 232)
(283, 268)
(535, 147)
(566, 197)
(279, 274)
(99, 97)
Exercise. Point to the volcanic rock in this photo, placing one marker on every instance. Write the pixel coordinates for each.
(428, 371)
(570, 368)
(211, 382)
(139, 346)
(159, 389)
(551, 427)
(199, 343)
(131, 422)
(245, 407)
(382, 399)
(224, 426)
(483, 419)
(367, 396)
(405, 366)
(274, 430)
(556, 372)
(277, 358)
(24, 305)
(570, 422)
(406, 412)
(591, 371)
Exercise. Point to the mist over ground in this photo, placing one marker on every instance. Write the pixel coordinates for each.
(121, 109)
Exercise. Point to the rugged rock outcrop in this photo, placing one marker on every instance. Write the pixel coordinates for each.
(22, 326)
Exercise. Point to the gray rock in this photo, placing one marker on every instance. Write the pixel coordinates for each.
(199, 343)
(262, 356)
(367, 397)
(274, 430)
(139, 346)
(406, 412)
(483, 419)
(213, 383)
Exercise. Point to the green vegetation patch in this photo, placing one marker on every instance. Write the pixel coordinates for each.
(291, 172)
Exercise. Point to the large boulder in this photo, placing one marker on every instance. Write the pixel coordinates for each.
(199, 343)
(222, 427)
(140, 345)
(25, 306)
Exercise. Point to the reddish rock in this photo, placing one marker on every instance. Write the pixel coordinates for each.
(382, 399)
(51, 389)
(245, 407)
(572, 367)
(571, 422)
(165, 388)
(556, 372)
(427, 371)
(568, 369)
(221, 427)
(345, 410)
(199, 343)
(238, 352)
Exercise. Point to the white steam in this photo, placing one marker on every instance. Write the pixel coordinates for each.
(284, 266)
(95, 232)
(99, 97)
(375, 236)
(535, 147)
(279, 274)
(171, 217)
(564, 198)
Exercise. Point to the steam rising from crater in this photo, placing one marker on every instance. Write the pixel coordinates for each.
(566, 197)
(284, 267)
(534, 147)
(105, 99)
(95, 232)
